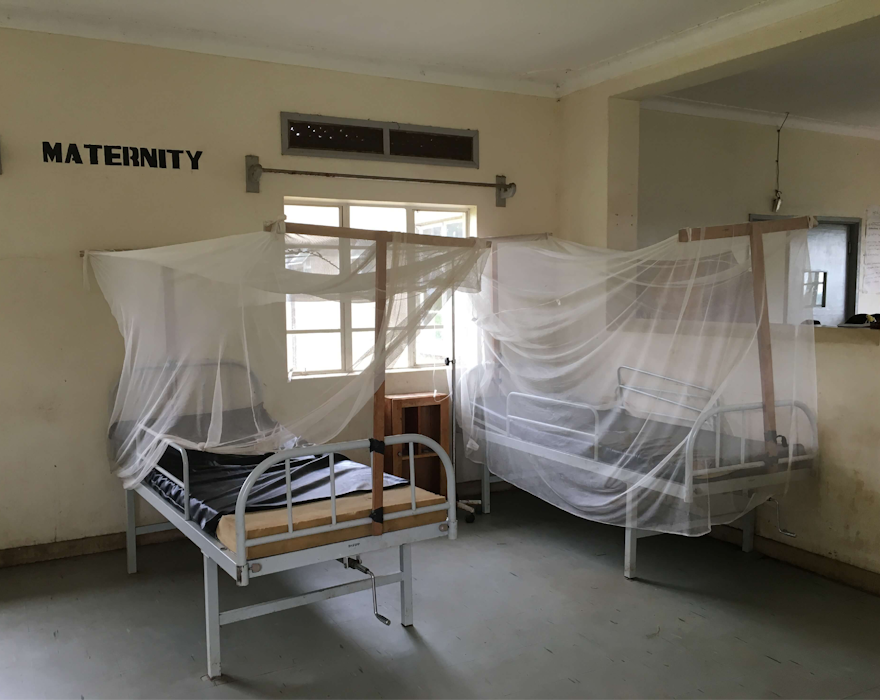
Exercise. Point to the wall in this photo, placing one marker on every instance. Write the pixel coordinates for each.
(697, 171)
(600, 131)
(60, 350)
(706, 171)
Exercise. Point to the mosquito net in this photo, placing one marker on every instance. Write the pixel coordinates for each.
(626, 387)
(222, 336)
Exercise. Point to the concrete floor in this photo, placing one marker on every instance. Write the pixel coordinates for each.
(529, 602)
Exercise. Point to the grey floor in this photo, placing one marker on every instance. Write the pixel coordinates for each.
(529, 602)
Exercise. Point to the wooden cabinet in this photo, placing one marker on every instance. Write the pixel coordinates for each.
(426, 414)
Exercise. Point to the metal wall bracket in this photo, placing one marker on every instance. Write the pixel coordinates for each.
(503, 190)
(253, 171)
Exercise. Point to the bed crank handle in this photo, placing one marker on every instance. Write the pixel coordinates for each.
(353, 563)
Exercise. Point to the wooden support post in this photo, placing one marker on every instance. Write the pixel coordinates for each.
(496, 306)
(755, 231)
(765, 352)
(379, 396)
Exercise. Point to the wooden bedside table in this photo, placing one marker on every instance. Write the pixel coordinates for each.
(427, 414)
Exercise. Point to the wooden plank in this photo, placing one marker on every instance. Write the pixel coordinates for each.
(444, 440)
(415, 395)
(383, 236)
(317, 513)
(765, 352)
(732, 230)
(379, 363)
(397, 429)
(496, 345)
(421, 400)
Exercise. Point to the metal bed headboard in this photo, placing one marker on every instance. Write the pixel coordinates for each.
(172, 365)
(693, 391)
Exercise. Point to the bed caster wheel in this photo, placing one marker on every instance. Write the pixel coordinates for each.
(470, 518)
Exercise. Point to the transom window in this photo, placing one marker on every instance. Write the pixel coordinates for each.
(332, 337)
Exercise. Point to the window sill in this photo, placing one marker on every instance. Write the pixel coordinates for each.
(397, 371)
(846, 336)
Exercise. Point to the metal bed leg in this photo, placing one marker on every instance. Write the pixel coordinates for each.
(632, 536)
(406, 585)
(748, 529)
(486, 491)
(212, 617)
(130, 531)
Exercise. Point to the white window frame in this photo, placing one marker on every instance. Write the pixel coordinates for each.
(346, 329)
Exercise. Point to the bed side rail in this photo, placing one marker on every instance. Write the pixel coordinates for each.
(699, 395)
(714, 415)
(184, 458)
(242, 542)
(513, 418)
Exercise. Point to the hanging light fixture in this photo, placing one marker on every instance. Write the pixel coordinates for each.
(777, 197)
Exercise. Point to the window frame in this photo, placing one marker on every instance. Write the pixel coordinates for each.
(853, 236)
(386, 127)
(346, 328)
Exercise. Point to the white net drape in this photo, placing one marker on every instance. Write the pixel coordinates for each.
(625, 387)
(206, 343)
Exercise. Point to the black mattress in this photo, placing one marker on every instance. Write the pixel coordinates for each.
(216, 479)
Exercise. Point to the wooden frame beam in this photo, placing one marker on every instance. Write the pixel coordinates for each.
(799, 223)
(382, 236)
(755, 230)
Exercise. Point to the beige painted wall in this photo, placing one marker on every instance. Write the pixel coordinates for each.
(697, 171)
(59, 349)
(600, 132)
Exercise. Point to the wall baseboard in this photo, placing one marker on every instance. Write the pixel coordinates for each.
(868, 581)
(864, 580)
(31, 554)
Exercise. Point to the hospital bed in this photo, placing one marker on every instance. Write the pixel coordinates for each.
(621, 449)
(256, 515)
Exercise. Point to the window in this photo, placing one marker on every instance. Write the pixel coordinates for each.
(331, 337)
(814, 288)
(337, 137)
(830, 287)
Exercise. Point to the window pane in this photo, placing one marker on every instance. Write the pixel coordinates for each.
(431, 347)
(420, 144)
(363, 314)
(362, 343)
(378, 218)
(441, 223)
(314, 352)
(357, 252)
(313, 315)
(828, 245)
(319, 261)
(348, 138)
(307, 214)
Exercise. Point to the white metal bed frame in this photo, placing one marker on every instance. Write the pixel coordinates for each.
(696, 481)
(243, 569)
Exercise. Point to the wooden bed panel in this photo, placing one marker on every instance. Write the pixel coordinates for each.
(306, 515)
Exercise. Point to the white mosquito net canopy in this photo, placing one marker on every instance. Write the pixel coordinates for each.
(626, 387)
(209, 362)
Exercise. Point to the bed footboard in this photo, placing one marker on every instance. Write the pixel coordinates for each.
(714, 415)
(284, 457)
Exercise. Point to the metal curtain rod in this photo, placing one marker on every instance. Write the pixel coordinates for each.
(254, 171)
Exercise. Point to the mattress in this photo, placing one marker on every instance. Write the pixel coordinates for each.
(630, 442)
(216, 479)
(317, 513)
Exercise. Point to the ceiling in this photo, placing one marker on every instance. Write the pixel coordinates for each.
(835, 85)
(544, 47)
